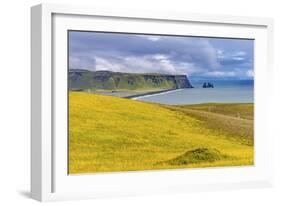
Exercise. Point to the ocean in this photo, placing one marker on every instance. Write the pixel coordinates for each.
(224, 91)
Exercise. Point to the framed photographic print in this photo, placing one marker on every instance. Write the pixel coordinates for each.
(134, 102)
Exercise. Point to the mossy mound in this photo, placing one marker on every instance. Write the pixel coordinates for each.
(197, 156)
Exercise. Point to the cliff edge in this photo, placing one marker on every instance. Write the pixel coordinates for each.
(108, 80)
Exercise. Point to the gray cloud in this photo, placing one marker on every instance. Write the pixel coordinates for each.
(161, 54)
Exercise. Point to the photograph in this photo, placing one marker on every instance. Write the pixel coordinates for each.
(139, 102)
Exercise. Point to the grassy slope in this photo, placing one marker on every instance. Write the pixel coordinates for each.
(232, 120)
(115, 134)
(243, 110)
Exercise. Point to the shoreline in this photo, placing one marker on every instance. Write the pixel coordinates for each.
(137, 96)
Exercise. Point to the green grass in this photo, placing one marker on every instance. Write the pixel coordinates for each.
(108, 134)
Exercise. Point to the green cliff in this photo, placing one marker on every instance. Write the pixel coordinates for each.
(114, 81)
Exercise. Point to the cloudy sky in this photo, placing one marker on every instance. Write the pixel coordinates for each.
(193, 56)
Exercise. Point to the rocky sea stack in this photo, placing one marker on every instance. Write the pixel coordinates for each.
(208, 85)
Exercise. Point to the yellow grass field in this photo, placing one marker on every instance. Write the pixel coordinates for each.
(110, 134)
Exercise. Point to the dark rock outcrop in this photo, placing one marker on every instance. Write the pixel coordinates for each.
(208, 85)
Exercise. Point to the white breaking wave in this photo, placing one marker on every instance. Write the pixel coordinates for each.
(151, 95)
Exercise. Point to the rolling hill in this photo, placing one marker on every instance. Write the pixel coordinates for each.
(108, 134)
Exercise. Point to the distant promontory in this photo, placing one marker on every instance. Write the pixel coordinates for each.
(80, 80)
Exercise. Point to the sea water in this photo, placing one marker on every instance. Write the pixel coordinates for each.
(224, 91)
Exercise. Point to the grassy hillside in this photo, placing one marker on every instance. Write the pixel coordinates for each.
(115, 134)
(117, 81)
(243, 110)
(232, 120)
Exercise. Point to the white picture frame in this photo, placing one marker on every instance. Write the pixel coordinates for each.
(49, 178)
